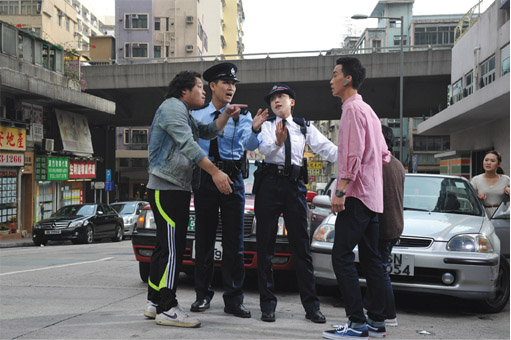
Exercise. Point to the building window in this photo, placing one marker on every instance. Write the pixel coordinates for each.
(67, 23)
(393, 123)
(504, 54)
(157, 51)
(135, 136)
(376, 45)
(431, 143)
(433, 35)
(457, 93)
(9, 7)
(157, 24)
(28, 7)
(397, 40)
(136, 21)
(60, 14)
(487, 71)
(469, 84)
(135, 50)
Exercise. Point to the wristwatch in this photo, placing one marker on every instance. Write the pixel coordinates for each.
(340, 193)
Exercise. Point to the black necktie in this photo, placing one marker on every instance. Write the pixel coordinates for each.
(213, 144)
(287, 146)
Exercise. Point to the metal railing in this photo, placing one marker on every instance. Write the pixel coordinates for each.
(262, 55)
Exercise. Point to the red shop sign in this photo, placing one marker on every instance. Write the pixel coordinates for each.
(82, 169)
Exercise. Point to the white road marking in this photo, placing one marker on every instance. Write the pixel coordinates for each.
(53, 267)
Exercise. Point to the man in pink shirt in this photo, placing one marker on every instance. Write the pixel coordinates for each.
(358, 200)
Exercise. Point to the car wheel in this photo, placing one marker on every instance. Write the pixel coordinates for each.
(118, 234)
(499, 301)
(143, 268)
(88, 237)
(40, 242)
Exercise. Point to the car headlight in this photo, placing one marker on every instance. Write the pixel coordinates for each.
(128, 220)
(470, 243)
(75, 224)
(324, 233)
(38, 225)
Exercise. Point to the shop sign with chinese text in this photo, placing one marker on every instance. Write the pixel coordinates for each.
(13, 139)
(11, 159)
(52, 168)
(82, 169)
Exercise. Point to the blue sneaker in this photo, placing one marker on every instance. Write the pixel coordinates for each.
(347, 332)
(376, 329)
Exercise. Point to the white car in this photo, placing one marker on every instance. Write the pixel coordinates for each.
(130, 212)
(448, 246)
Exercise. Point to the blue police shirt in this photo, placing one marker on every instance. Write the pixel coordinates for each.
(238, 136)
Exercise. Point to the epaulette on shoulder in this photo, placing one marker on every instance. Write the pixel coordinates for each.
(301, 121)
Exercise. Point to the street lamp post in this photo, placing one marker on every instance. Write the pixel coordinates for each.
(401, 60)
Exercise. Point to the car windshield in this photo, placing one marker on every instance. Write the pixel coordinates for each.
(125, 208)
(75, 210)
(437, 194)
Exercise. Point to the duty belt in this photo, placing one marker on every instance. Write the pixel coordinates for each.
(230, 167)
(292, 171)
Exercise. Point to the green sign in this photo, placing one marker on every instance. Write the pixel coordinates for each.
(51, 168)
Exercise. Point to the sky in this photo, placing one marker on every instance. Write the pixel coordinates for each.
(295, 25)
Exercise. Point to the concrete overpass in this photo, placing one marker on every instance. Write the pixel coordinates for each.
(139, 89)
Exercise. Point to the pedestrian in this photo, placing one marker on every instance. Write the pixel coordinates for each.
(174, 154)
(391, 221)
(227, 153)
(492, 185)
(282, 190)
(357, 200)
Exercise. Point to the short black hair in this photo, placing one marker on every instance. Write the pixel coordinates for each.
(388, 134)
(184, 80)
(352, 67)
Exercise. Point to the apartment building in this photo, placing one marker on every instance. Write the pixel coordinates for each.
(163, 30)
(477, 118)
(66, 23)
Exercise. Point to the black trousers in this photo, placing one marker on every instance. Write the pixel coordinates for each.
(358, 225)
(207, 201)
(171, 209)
(280, 195)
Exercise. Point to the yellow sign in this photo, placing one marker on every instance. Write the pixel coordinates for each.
(13, 139)
(315, 165)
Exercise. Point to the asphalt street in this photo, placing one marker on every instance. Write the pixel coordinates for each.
(65, 291)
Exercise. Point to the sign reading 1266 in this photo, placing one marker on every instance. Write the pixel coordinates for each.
(12, 159)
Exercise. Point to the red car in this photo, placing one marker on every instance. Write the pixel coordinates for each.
(143, 239)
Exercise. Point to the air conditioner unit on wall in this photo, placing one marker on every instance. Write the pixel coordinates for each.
(189, 19)
(189, 48)
(48, 144)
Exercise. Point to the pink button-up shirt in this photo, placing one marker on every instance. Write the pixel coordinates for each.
(361, 152)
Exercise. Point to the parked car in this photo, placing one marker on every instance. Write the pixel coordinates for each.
(129, 211)
(144, 238)
(500, 221)
(80, 223)
(448, 245)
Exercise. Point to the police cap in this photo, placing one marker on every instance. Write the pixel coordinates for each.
(226, 71)
(279, 88)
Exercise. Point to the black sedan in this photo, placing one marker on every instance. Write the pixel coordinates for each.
(80, 223)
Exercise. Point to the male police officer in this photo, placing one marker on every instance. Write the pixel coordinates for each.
(226, 152)
(282, 191)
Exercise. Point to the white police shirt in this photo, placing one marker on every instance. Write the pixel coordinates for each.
(276, 154)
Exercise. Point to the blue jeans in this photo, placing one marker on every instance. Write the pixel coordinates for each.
(358, 225)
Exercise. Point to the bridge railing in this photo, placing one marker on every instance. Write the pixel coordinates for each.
(262, 55)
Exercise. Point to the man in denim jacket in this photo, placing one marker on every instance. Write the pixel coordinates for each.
(174, 154)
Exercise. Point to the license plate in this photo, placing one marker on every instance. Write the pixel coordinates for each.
(52, 232)
(217, 254)
(401, 264)
(191, 223)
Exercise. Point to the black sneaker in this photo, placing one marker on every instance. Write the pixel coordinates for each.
(200, 305)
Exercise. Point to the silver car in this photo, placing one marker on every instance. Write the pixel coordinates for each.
(130, 212)
(448, 246)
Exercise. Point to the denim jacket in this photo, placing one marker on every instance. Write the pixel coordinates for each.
(174, 150)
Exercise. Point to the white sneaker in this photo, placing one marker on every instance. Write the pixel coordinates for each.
(176, 316)
(391, 322)
(150, 309)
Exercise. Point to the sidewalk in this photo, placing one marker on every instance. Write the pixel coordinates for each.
(15, 240)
